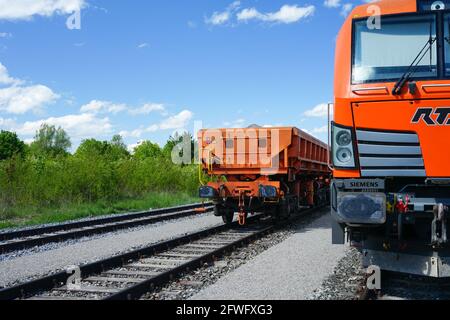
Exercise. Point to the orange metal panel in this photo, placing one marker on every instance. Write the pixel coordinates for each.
(254, 150)
(355, 106)
(434, 139)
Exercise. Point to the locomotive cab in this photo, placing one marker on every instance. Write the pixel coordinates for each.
(390, 136)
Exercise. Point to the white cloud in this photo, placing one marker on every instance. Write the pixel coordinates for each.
(148, 108)
(248, 14)
(5, 78)
(137, 133)
(143, 45)
(152, 128)
(345, 8)
(318, 133)
(323, 129)
(319, 111)
(26, 9)
(178, 121)
(5, 35)
(192, 24)
(132, 147)
(19, 100)
(219, 18)
(7, 123)
(332, 3)
(97, 106)
(287, 14)
(79, 126)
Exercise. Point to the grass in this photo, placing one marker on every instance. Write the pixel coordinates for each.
(34, 216)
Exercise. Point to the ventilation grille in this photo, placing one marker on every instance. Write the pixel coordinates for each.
(390, 154)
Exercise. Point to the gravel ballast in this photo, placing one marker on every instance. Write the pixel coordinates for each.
(29, 266)
(293, 269)
(346, 280)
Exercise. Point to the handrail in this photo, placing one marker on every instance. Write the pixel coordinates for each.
(200, 175)
(330, 166)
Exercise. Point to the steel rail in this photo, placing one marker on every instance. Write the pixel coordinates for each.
(49, 283)
(402, 286)
(27, 238)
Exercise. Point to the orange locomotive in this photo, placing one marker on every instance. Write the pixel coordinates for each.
(391, 135)
(270, 170)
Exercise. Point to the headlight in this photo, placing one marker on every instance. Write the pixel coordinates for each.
(344, 155)
(342, 144)
(343, 138)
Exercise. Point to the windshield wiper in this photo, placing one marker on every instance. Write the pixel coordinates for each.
(413, 67)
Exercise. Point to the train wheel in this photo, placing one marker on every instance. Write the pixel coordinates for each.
(271, 211)
(218, 210)
(228, 217)
(284, 209)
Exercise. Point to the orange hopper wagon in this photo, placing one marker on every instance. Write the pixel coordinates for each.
(271, 170)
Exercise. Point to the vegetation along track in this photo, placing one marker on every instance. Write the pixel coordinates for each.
(27, 238)
(129, 276)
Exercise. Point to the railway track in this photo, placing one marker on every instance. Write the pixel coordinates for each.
(28, 238)
(131, 275)
(398, 286)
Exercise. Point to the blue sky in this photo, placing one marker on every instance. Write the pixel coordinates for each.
(145, 69)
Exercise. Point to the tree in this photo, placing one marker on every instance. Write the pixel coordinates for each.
(111, 151)
(51, 141)
(179, 144)
(93, 148)
(147, 149)
(119, 149)
(10, 145)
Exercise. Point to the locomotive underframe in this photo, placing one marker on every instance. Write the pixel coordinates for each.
(290, 196)
(415, 235)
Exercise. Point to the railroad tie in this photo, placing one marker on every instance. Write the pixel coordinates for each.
(109, 279)
(130, 273)
(88, 289)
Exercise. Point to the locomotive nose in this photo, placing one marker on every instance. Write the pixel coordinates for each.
(412, 140)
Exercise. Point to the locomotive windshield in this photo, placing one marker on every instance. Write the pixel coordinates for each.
(447, 44)
(385, 54)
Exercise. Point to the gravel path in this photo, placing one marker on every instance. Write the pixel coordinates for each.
(293, 269)
(23, 268)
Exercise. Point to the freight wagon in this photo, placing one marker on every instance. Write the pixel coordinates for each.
(271, 170)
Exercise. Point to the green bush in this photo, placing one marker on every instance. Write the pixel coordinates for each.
(99, 172)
